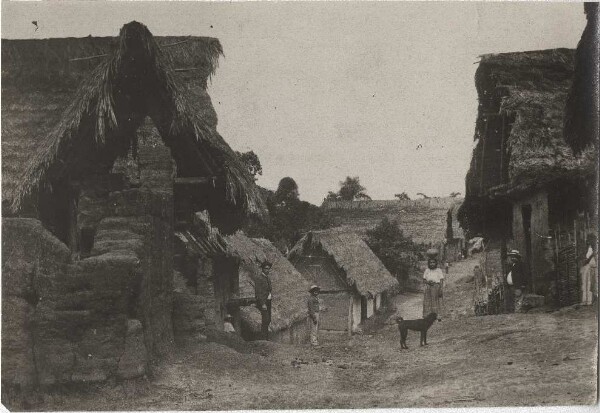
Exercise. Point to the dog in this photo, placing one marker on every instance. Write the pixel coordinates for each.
(421, 325)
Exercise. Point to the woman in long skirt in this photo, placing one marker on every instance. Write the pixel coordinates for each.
(434, 286)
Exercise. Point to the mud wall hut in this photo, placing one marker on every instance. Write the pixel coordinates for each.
(290, 291)
(354, 282)
(525, 187)
(88, 240)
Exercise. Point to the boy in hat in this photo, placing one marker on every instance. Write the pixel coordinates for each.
(262, 292)
(515, 280)
(313, 314)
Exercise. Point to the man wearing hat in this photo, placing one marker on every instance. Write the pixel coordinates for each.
(515, 280)
(313, 314)
(262, 293)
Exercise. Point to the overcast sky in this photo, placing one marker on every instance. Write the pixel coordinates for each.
(383, 91)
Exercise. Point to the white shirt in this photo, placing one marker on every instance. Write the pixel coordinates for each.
(590, 254)
(435, 276)
(228, 327)
(509, 278)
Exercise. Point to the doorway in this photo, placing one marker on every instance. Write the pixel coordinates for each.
(526, 216)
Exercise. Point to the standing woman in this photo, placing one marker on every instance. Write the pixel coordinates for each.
(434, 286)
(588, 273)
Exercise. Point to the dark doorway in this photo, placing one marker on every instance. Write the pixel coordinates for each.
(363, 308)
(526, 214)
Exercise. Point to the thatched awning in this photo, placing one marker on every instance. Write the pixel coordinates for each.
(290, 289)
(364, 271)
(72, 105)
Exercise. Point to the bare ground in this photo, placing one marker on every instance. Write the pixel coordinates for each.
(517, 359)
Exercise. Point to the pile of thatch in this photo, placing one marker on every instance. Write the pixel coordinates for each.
(363, 270)
(70, 107)
(290, 289)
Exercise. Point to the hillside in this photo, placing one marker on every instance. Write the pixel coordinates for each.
(424, 220)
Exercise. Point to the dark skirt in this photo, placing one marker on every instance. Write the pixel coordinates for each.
(432, 302)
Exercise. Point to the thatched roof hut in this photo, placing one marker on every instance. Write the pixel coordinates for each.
(520, 146)
(290, 289)
(363, 270)
(71, 106)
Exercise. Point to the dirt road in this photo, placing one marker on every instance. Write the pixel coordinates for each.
(517, 359)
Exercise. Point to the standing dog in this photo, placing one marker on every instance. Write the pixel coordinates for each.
(421, 325)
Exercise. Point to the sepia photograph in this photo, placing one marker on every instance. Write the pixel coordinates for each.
(214, 206)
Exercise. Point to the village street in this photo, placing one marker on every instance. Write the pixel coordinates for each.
(518, 359)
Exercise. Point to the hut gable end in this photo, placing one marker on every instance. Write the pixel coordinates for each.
(290, 289)
(72, 106)
(362, 269)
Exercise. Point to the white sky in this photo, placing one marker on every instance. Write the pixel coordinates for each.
(324, 90)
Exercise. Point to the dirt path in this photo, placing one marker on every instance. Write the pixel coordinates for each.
(516, 359)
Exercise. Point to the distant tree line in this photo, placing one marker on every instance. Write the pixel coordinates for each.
(289, 217)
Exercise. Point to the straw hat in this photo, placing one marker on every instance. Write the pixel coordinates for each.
(514, 253)
(228, 317)
(266, 264)
(314, 287)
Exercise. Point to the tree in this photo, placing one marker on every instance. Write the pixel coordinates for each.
(403, 196)
(286, 190)
(455, 194)
(398, 253)
(351, 189)
(289, 217)
(252, 163)
(332, 196)
(423, 195)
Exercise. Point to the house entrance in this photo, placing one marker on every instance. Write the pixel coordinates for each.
(526, 215)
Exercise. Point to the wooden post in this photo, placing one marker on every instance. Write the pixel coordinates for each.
(483, 155)
(502, 149)
(558, 237)
(350, 315)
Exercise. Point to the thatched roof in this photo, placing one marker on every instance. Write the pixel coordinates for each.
(290, 289)
(71, 106)
(363, 270)
(455, 229)
(531, 89)
(423, 220)
(582, 111)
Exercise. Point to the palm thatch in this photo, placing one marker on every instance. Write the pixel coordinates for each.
(530, 89)
(582, 111)
(72, 105)
(363, 270)
(290, 289)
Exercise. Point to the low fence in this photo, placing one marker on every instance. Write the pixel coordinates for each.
(489, 284)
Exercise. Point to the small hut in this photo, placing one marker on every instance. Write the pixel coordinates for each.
(109, 145)
(290, 291)
(525, 188)
(354, 282)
